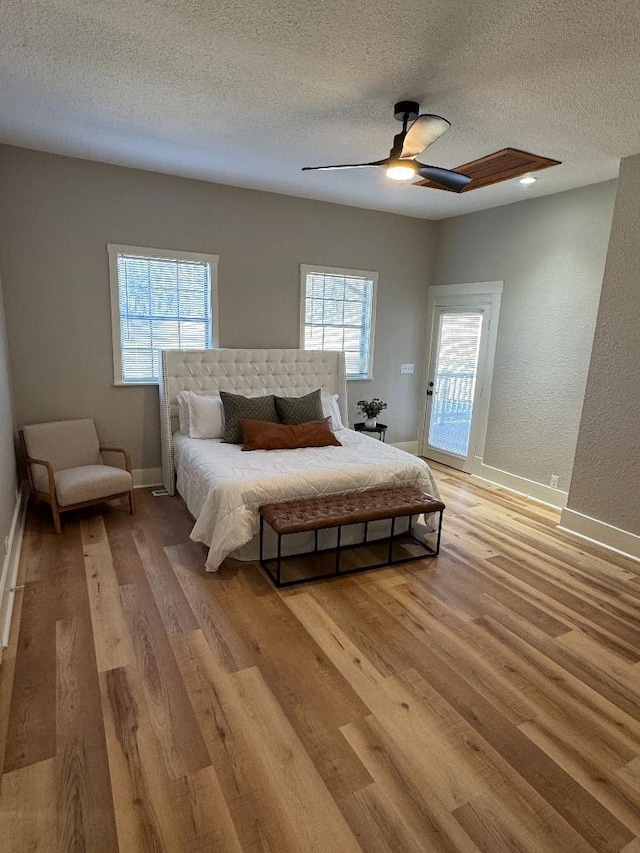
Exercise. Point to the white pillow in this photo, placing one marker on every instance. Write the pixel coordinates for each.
(331, 409)
(206, 418)
(183, 411)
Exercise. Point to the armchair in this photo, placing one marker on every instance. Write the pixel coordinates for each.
(66, 469)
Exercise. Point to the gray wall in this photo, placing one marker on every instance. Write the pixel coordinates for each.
(7, 455)
(550, 253)
(56, 216)
(606, 475)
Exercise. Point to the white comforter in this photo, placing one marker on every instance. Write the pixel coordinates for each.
(224, 486)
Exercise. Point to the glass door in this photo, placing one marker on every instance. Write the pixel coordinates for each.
(454, 389)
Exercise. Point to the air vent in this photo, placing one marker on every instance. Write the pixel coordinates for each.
(499, 166)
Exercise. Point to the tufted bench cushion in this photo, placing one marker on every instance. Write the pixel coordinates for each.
(338, 511)
(353, 508)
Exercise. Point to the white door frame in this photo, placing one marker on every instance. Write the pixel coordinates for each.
(438, 296)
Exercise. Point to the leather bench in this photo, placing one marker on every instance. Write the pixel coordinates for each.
(337, 511)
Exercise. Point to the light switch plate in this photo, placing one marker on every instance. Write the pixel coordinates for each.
(406, 368)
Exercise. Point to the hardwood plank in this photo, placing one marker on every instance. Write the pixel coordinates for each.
(433, 728)
(120, 528)
(397, 707)
(586, 767)
(465, 583)
(409, 792)
(288, 772)
(620, 620)
(223, 725)
(31, 730)
(84, 803)
(458, 642)
(7, 673)
(506, 822)
(520, 686)
(614, 662)
(201, 590)
(484, 700)
(27, 676)
(560, 695)
(142, 804)
(580, 810)
(170, 599)
(262, 766)
(626, 696)
(39, 537)
(183, 748)
(378, 828)
(112, 642)
(600, 629)
(312, 694)
(202, 815)
(27, 809)
(631, 773)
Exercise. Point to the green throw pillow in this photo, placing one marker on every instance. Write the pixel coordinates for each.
(300, 410)
(238, 408)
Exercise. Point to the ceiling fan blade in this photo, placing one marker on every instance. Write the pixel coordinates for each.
(454, 181)
(343, 166)
(422, 133)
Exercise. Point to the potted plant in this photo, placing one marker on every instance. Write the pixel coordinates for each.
(371, 409)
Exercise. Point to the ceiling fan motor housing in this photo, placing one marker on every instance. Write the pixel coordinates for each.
(418, 133)
(408, 109)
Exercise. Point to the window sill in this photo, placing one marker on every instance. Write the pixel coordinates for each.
(134, 384)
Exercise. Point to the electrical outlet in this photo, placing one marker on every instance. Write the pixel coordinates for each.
(406, 368)
(554, 481)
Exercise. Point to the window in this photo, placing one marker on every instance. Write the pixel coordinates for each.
(159, 300)
(337, 312)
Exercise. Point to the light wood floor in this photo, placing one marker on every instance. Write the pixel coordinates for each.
(487, 700)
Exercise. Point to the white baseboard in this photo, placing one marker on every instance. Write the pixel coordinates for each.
(610, 537)
(143, 477)
(412, 447)
(10, 566)
(515, 483)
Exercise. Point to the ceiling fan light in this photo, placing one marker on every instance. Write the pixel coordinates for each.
(402, 170)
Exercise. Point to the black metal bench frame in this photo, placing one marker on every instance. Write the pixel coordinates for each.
(276, 576)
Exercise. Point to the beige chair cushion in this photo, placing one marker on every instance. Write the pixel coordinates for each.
(65, 444)
(89, 483)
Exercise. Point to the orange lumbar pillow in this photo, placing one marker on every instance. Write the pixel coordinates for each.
(262, 435)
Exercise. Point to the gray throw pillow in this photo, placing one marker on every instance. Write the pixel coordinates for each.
(300, 410)
(238, 408)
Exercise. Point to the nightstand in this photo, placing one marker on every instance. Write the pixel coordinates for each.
(379, 428)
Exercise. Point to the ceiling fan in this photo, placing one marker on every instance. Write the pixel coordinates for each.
(418, 133)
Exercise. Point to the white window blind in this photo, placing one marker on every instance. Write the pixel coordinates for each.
(160, 300)
(338, 313)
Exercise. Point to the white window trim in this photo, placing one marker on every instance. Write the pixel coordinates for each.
(305, 269)
(113, 250)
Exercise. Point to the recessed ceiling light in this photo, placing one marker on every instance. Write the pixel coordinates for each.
(528, 179)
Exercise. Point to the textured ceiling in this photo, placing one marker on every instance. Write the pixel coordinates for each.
(246, 93)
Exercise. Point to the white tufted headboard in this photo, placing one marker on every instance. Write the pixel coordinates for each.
(287, 372)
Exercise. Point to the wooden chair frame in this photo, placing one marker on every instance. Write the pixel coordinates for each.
(52, 498)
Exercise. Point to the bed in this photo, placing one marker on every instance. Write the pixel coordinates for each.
(224, 487)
